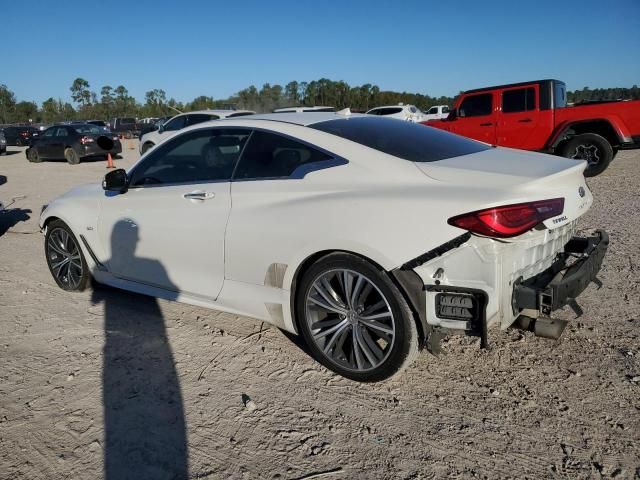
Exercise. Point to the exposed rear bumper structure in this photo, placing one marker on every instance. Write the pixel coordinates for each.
(531, 301)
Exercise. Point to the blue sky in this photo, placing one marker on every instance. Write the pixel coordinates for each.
(215, 48)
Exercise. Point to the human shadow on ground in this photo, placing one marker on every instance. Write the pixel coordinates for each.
(144, 418)
(10, 217)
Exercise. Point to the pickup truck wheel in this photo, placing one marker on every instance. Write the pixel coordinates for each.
(593, 148)
(354, 319)
(71, 156)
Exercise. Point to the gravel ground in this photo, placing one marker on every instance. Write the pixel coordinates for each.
(104, 383)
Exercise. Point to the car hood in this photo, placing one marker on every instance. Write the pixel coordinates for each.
(89, 190)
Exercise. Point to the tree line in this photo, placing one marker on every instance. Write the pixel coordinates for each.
(113, 102)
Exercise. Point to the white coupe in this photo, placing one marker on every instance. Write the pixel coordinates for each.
(367, 236)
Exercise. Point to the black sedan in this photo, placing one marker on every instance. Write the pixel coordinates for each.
(73, 143)
(20, 136)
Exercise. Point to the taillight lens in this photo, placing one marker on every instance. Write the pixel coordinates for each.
(86, 140)
(508, 220)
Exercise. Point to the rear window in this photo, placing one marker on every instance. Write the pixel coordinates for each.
(89, 129)
(410, 141)
(385, 111)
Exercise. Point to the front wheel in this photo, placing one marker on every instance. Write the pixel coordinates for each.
(71, 156)
(593, 148)
(354, 319)
(64, 258)
(33, 156)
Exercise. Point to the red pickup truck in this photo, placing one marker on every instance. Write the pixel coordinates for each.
(535, 116)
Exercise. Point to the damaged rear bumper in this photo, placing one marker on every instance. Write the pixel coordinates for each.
(563, 281)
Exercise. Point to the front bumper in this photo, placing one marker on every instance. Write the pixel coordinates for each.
(563, 282)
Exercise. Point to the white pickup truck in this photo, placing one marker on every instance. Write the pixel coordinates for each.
(437, 112)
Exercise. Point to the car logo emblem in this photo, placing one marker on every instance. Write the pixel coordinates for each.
(581, 192)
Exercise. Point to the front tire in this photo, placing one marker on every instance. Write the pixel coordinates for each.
(64, 258)
(354, 319)
(71, 156)
(33, 155)
(593, 148)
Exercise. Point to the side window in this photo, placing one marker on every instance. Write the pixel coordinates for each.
(195, 157)
(61, 132)
(199, 118)
(176, 123)
(477, 105)
(520, 100)
(444, 110)
(49, 132)
(433, 110)
(268, 155)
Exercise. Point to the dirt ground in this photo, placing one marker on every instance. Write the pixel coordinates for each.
(103, 383)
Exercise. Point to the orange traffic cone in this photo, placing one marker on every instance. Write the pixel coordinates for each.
(110, 161)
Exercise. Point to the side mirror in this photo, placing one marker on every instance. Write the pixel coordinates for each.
(115, 181)
(160, 128)
(453, 114)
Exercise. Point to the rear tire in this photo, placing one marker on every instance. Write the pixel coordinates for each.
(64, 258)
(593, 148)
(365, 331)
(71, 156)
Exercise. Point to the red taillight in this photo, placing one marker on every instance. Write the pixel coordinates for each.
(85, 140)
(509, 220)
(24, 134)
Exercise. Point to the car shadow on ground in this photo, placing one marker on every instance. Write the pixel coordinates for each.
(144, 418)
(11, 152)
(3, 179)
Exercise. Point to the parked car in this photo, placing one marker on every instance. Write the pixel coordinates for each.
(409, 113)
(20, 135)
(127, 127)
(3, 143)
(304, 109)
(437, 112)
(535, 116)
(165, 130)
(365, 235)
(73, 143)
(153, 126)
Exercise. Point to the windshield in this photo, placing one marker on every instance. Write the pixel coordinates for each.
(411, 141)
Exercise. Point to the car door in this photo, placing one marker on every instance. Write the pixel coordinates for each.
(476, 118)
(43, 144)
(168, 229)
(57, 143)
(519, 118)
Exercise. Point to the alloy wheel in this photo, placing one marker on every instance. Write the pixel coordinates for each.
(588, 152)
(350, 320)
(64, 259)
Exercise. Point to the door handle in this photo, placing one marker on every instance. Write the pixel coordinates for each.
(486, 124)
(525, 120)
(199, 195)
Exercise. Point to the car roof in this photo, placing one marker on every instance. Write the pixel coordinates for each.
(298, 118)
(219, 112)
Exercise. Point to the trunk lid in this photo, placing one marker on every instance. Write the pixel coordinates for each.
(517, 176)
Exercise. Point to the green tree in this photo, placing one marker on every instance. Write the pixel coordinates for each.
(80, 92)
(154, 102)
(7, 104)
